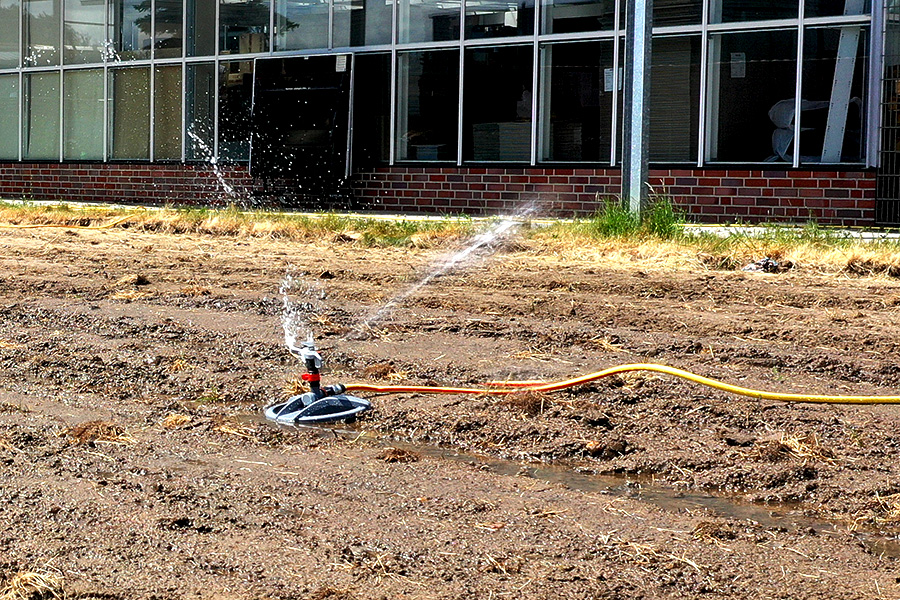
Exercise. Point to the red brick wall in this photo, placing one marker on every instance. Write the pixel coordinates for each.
(708, 195)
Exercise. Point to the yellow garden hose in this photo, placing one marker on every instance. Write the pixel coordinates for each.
(513, 387)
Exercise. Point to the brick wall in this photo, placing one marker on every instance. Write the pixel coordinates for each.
(709, 195)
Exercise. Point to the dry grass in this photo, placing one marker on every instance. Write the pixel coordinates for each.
(397, 455)
(802, 447)
(232, 427)
(174, 421)
(40, 584)
(98, 431)
(293, 386)
(4, 345)
(130, 295)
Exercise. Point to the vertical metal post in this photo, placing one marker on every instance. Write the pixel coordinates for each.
(636, 137)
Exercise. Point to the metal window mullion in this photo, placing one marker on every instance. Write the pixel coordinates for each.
(798, 86)
(535, 95)
(184, 77)
(704, 82)
(21, 109)
(271, 29)
(61, 124)
(330, 24)
(459, 92)
(215, 116)
(392, 116)
(617, 56)
(348, 164)
(876, 89)
(152, 153)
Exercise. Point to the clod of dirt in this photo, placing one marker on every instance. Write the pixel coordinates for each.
(132, 279)
(605, 449)
(718, 531)
(41, 584)
(530, 403)
(174, 421)
(326, 275)
(379, 371)
(97, 431)
(866, 267)
(397, 455)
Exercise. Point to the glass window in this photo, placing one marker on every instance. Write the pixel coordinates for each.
(726, 11)
(9, 33)
(9, 125)
(427, 105)
(674, 99)
(499, 18)
(677, 12)
(200, 112)
(362, 22)
(830, 8)
(832, 111)
(129, 22)
(569, 16)
(301, 24)
(751, 77)
(497, 103)
(577, 102)
(83, 115)
(167, 113)
(84, 32)
(169, 34)
(372, 109)
(428, 20)
(235, 104)
(243, 26)
(41, 117)
(129, 114)
(40, 33)
(201, 22)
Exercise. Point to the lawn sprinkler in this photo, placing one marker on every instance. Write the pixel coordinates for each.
(319, 404)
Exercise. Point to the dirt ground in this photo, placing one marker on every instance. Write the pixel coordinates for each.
(135, 465)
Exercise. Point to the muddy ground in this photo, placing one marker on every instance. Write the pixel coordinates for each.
(634, 487)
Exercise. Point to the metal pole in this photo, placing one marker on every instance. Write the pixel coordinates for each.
(636, 137)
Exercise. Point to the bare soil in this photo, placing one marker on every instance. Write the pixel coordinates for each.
(134, 367)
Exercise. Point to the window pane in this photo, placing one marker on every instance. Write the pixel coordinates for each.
(201, 22)
(84, 31)
(41, 118)
(677, 12)
(9, 33)
(568, 16)
(201, 95)
(577, 109)
(235, 103)
(428, 21)
(499, 18)
(372, 109)
(129, 22)
(832, 115)
(244, 26)
(9, 125)
(301, 24)
(41, 33)
(362, 22)
(497, 104)
(427, 105)
(129, 113)
(169, 31)
(830, 8)
(725, 11)
(83, 115)
(675, 99)
(751, 74)
(167, 113)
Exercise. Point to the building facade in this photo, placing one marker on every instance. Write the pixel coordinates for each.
(759, 109)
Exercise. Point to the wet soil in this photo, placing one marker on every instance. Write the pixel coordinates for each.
(134, 366)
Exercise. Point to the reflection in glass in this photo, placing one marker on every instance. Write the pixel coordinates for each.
(129, 22)
(569, 16)
(243, 26)
(84, 31)
(427, 20)
(83, 115)
(301, 24)
(831, 8)
(9, 126)
(833, 115)
(200, 112)
(201, 24)
(129, 114)
(675, 99)
(169, 34)
(372, 109)
(497, 104)
(677, 12)
(41, 117)
(726, 11)
(427, 105)
(577, 103)
(9, 33)
(40, 33)
(235, 103)
(499, 18)
(167, 113)
(362, 22)
(752, 75)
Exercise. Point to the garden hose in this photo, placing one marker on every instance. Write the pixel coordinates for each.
(513, 387)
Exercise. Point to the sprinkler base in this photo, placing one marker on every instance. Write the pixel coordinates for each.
(305, 408)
